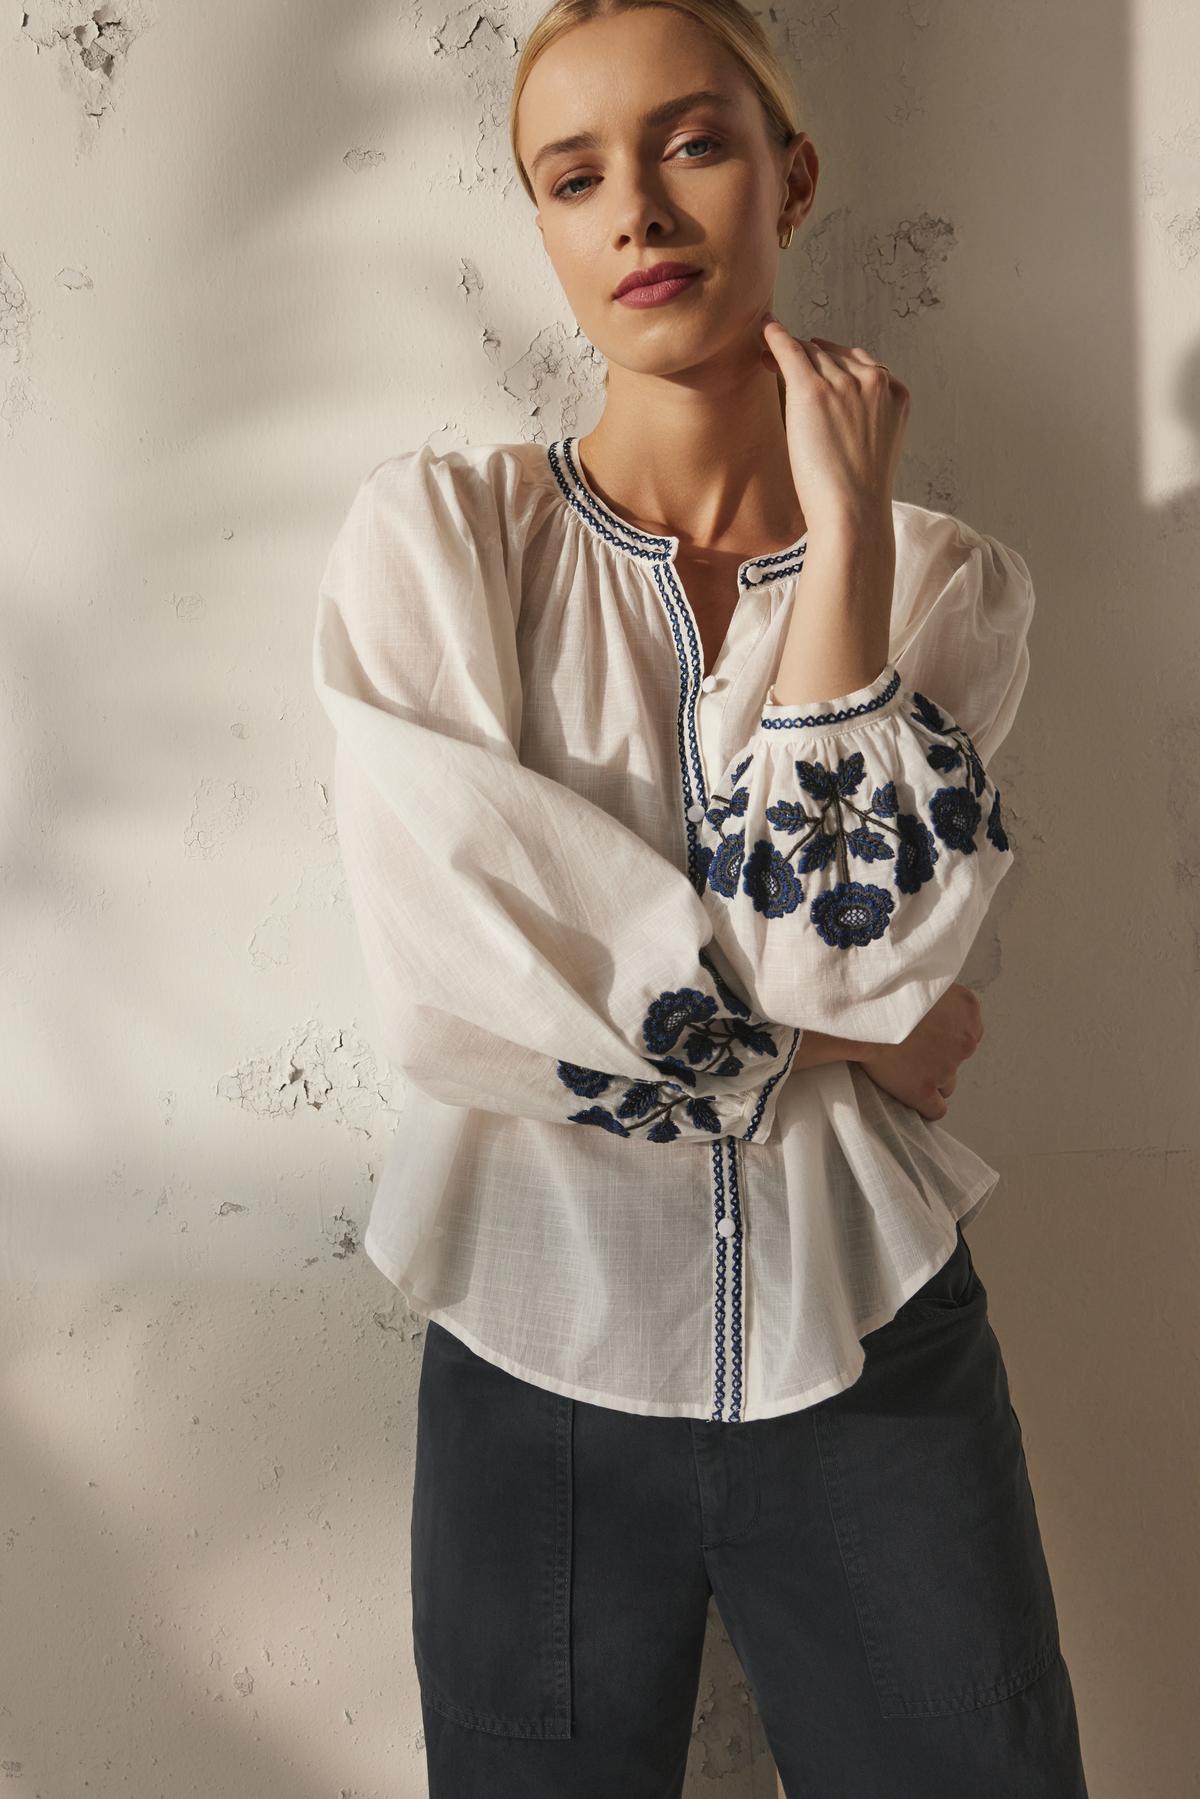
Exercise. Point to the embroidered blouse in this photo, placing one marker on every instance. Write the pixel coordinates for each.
(601, 894)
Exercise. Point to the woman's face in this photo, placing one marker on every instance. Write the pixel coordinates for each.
(706, 186)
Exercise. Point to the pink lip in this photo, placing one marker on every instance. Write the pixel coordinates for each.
(655, 292)
(653, 272)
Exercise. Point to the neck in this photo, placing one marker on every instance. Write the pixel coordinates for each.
(710, 468)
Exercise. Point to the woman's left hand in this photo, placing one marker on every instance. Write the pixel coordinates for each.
(845, 418)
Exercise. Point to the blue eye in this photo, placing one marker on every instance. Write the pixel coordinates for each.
(561, 193)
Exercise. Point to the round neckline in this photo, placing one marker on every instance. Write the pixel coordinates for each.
(566, 467)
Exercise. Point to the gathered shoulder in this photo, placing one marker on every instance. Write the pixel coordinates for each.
(486, 493)
(962, 606)
(926, 532)
(939, 553)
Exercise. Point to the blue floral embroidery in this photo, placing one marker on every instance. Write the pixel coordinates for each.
(851, 913)
(709, 1046)
(956, 810)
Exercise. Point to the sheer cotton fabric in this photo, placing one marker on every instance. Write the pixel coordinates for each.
(601, 894)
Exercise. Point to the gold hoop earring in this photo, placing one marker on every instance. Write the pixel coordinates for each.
(785, 238)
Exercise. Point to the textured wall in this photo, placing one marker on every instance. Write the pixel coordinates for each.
(244, 254)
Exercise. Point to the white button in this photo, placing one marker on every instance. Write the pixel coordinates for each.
(695, 813)
(708, 683)
(727, 1227)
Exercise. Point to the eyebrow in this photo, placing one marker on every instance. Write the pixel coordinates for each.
(658, 115)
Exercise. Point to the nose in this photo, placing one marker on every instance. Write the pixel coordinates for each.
(640, 213)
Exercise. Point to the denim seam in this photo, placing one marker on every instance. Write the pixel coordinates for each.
(564, 1493)
(842, 1529)
(555, 1722)
(881, 1666)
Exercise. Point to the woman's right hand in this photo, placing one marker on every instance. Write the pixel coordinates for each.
(923, 1070)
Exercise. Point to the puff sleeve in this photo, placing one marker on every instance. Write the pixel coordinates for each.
(509, 968)
(854, 843)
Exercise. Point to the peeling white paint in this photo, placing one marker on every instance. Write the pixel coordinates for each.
(94, 42)
(1182, 235)
(347, 1240)
(357, 160)
(908, 261)
(188, 606)
(15, 313)
(557, 369)
(219, 809)
(330, 1070)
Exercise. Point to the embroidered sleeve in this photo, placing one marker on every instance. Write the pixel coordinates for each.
(509, 967)
(852, 847)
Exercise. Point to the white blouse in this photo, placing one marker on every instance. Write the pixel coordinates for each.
(601, 895)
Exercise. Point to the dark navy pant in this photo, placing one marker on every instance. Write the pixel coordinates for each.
(876, 1559)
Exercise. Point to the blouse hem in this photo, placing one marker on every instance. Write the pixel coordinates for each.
(967, 1204)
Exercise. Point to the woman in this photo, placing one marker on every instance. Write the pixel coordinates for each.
(663, 797)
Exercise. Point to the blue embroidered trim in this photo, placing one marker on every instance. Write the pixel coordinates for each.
(711, 1040)
(794, 553)
(728, 1280)
(756, 1116)
(644, 544)
(835, 718)
(722, 1252)
(691, 665)
(851, 913)
(596, 514)
(731, 1246)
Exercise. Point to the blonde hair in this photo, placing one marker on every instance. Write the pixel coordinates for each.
(737, 30)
